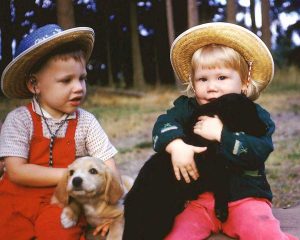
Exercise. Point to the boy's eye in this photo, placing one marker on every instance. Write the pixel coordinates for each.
(67, 80)
(222, 77)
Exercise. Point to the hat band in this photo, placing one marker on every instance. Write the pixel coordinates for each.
(55, 31)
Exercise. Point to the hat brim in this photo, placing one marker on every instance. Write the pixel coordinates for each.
(13, 80)
(250, 46)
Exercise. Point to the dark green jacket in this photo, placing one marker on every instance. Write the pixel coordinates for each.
(239, 149)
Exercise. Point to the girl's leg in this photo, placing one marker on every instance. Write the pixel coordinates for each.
(48, 225)
(252, 218)
(197, 221)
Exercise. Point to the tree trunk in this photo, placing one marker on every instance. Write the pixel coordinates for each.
(6, 34)
(193, 16)
(106, 10)
(138, 70)
(171, 33)
(65, 13)
(170, 20)
(253, 20)
(231, 11)
(109, 65)
(265, 28)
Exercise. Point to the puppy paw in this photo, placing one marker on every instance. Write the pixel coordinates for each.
(68, 218)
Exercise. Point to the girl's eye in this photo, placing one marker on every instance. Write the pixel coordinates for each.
(83, 78)
(202, 79)
(222, 78)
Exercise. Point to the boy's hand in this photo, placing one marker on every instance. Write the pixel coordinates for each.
(209, 128)
(182, 156)
(102, 229)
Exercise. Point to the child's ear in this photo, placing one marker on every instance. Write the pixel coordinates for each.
(32, 85)
(245, 89)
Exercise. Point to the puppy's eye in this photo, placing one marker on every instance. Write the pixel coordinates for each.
(93, 171)
(71, 172)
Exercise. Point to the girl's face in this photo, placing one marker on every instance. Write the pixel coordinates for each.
(61, 85)
(210, 84)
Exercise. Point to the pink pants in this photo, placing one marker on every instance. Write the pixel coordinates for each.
(249, 218)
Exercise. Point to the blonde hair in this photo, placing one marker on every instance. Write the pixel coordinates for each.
(213, 56)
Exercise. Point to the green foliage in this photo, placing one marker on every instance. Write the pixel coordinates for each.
(285, 79)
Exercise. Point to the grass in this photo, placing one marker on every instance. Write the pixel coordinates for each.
(128, 120)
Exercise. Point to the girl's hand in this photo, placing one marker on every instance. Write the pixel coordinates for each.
(209, 128)
(182, 156)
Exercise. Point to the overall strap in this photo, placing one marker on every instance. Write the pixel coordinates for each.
(72, 124)
(37, 121)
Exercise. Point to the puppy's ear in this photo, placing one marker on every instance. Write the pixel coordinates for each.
(113, 189)
(60, 192)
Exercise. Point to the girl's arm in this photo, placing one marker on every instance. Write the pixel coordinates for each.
(171, 125)
(247, 151)
(239, 149)
(168, 134)
(31, 175)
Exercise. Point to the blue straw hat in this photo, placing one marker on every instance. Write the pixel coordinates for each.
(33, 48)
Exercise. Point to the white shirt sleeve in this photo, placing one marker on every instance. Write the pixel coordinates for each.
(96, 142)
(16, 133)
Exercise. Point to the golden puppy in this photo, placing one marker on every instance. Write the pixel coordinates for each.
(91, 186)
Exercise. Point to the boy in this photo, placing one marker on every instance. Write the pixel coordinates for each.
(40, 140)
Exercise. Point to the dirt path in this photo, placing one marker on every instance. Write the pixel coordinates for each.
(283, 165)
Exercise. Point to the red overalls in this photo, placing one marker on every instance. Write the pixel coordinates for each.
(26, 212)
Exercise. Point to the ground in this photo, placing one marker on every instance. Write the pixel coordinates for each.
(129, 121)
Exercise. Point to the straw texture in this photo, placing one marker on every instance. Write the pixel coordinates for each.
(240, 39)
(13, 80)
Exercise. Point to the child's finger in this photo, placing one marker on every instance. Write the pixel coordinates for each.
(104, 230)
(97, 230)
(177, 173)
(201, 118)
(185, 175)
(199, 149)
(193, 174)
(194, 170)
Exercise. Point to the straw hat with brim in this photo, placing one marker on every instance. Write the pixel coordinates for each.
(250, 46)
(33, 48)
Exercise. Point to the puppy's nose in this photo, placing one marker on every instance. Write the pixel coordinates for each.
(77, 181)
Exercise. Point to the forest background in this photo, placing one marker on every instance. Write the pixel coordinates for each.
(131, 80)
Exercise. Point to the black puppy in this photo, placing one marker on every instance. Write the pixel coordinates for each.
(157, 197)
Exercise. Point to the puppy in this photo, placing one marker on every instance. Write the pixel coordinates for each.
(89, 185)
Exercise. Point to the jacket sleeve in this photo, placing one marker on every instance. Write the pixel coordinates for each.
(170, 125)
(245, 151)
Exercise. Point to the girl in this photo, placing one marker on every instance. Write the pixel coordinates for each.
(40, 140)
(216, 59)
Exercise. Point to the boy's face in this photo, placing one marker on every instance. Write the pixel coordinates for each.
(61, 85)
(210, 84)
